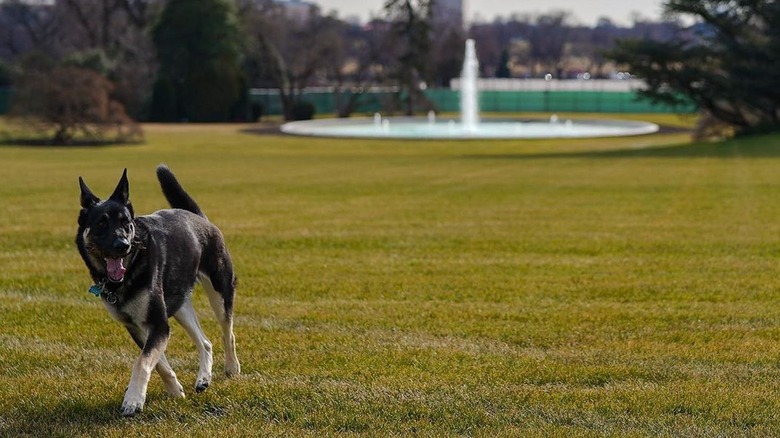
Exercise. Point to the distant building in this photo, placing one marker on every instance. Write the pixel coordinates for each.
(448, 12)
(32, 2)
(298, 10)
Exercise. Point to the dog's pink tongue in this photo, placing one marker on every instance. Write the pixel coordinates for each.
(116, 269)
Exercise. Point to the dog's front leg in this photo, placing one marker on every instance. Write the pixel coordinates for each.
(168, 376)
(154, 347)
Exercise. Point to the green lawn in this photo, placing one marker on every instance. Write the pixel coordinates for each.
(608, 287)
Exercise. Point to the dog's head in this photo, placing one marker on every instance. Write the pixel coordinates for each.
(107, 227)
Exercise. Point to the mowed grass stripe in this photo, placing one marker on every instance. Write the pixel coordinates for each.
(602, 287)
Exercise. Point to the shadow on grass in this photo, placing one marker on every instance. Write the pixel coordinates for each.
(45, 143)
(765, 146)
(67, 418)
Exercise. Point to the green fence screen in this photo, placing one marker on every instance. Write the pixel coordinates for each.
(445, 100)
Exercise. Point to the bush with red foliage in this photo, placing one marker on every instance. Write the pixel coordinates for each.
(73, 105)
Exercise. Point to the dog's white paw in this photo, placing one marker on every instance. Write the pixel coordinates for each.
(133, 404)
(202, 383)
(174, 389)
(232, 368)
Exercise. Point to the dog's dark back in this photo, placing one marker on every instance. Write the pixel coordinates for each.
(216, 262)
(174, 193)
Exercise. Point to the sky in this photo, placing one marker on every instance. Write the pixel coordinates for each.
(583, 11)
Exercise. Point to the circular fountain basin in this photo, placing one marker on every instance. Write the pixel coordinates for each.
(452, 129)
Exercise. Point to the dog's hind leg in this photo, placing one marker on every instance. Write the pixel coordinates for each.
(188, 319)
(170, 382)
(163, 368)
(223, 309)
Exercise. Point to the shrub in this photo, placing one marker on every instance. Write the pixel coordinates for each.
(5, 75)
(303, 110)
(256, 109)
(163, 106)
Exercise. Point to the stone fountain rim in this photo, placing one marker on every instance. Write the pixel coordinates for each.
(303, 127)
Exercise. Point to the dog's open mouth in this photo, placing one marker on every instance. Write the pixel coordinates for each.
(115, 269)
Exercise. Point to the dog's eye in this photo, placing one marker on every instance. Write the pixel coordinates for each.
(124, 221)
(103, 223)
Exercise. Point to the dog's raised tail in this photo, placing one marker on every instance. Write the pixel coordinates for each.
(174, 193)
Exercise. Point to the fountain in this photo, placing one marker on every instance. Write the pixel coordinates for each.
(469, 102)
(469, 126)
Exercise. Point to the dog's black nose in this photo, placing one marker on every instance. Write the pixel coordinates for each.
(121, 244)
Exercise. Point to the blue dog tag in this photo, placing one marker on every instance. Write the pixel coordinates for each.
(95, 290)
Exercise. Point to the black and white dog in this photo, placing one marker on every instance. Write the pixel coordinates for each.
(144, 270)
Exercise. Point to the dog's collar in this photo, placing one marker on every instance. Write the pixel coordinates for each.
(99, 289)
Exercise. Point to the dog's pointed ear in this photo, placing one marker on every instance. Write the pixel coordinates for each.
(122, 192)
(88, 199)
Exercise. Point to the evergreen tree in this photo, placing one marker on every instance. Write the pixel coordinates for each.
(728, 63)
(199, 49)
